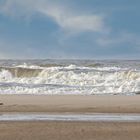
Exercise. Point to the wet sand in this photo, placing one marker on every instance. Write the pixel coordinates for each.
(95, 104)
(69, 131)
(53, 130)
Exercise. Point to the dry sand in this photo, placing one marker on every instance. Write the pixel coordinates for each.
(109, 104)
(69, 130)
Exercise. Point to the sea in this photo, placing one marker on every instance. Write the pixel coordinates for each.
(70, 77)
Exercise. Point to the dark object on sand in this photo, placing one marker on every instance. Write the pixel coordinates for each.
(1, 103)
(138, 93)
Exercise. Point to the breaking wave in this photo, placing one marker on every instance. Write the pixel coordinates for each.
(70, 79)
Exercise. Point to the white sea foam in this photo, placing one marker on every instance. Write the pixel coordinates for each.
(72, 80)
(29, 66)
(5, 75)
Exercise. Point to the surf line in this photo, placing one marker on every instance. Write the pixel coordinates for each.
(93, 117)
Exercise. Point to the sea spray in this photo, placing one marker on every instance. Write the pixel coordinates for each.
(120, 78)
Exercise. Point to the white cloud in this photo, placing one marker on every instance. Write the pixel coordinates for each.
(68, 20)
(75, 22)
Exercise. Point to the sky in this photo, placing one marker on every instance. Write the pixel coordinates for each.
(70, 29)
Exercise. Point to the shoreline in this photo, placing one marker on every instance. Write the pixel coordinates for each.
(70, 103)
(72, 130)
(70, 117)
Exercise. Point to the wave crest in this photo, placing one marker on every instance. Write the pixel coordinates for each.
(72, 79)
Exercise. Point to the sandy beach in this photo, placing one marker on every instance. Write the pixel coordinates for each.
(69, 130)
(70, 103)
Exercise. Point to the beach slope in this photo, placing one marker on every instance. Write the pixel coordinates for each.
(70, 103)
